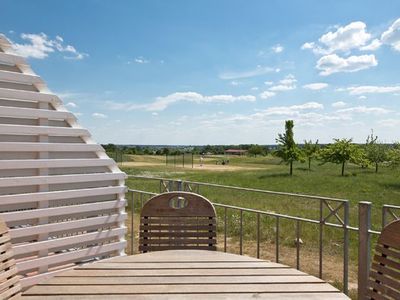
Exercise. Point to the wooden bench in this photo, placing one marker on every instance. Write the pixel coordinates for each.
(384, 282)
(177, 220)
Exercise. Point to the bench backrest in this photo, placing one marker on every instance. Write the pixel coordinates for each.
(177, 220)
(385, 270)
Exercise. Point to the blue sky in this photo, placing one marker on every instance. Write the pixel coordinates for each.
(216, 72)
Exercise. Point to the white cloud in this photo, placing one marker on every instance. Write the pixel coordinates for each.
(235, 83)
(71, 104)
(267, 94)
(333, 63)
(254, 88)
(315, 86)
(291, 110)
(259, 70)
(286, 84)
(372, 89)
(392, 35)
(308, 45)
(362, 97)
(339, 104)
(154, 114)
(161, 103)
(389, 123)
(374, 45)
(40, 46)
(353, 35)
(141, 60)
(277, 48)
(268, 82)
(99, 115)
(365, 110)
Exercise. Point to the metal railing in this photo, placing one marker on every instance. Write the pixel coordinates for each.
(333, 219)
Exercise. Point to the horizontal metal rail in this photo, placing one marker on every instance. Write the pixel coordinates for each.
(313, 197)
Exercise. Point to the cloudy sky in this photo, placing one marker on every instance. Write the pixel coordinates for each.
(216, 72)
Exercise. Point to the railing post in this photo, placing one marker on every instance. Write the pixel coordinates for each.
(346, 248)
(384, 216)
(364, 246)
(132, 220)
(179, 185)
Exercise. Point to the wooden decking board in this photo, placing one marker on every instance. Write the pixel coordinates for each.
(193, 275)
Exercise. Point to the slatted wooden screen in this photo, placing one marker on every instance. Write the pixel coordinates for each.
(60, 194)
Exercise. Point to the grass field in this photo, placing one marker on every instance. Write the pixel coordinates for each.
(267, 173)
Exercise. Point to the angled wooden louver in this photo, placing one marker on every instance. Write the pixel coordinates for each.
(61, 196)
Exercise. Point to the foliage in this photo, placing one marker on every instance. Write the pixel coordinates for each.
(341, 152)
(287, 148)
(256, 150)
(394, 155)
(376, 153)
(310, 151)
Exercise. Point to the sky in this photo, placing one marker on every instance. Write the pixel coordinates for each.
(216, 72)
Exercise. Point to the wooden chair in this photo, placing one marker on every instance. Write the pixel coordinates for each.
(384, 281)
(10, 287)
(177, 220)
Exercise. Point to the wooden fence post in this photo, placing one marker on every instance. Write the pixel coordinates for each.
(364, 246)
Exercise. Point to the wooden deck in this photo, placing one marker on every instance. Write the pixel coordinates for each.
(183, 274)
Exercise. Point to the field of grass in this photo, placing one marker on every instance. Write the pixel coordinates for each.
(268, 174)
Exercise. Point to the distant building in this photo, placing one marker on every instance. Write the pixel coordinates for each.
(236, 152)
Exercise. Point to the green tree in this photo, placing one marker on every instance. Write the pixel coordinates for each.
(287, 148)
(394, 155)
(256, 150)
(310, 151)
(375, 152)
(340, 152)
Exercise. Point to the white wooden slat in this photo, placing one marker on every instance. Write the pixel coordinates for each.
(35, 279)
(55, 163)
(70, 256)
(68, 241)
(11, 59)
(20, 78)
(49, 147)
(67, 226)
(57, 179)
(43, 130)
(61, 211)
(28, 96)
(32, 113)
(59, 195)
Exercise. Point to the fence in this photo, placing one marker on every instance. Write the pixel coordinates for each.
(184, 160)
(333, 213)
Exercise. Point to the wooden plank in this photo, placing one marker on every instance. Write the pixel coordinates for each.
(55, 163)
(225, 296)
(29, 96)
(57, 179)
(43, 130)
(188, 265)
(178, 234)
(52, 196)
(32, 113)
(153, 241)
(62, 210)
(85, 272)
(68, 241)
(63, 258)
(21, 78)
(49, 147)
(185, 256)
(145, 248)
(178, 227)
(63, 280)
(175, 221)
(173, 289)
(388, 251)
(78, 225)
(11, 59)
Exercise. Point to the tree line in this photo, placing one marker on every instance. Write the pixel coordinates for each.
(341, 151)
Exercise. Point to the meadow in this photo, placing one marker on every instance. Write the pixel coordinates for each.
(267, 173)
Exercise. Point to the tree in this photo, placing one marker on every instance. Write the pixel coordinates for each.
(375, 152)
(287, 148)
(310, 150)
(394, 155)
(256, 150)
(340, 152)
